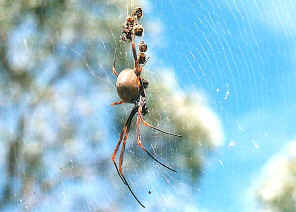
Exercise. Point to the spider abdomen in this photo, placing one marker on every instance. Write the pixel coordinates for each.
(127, 86)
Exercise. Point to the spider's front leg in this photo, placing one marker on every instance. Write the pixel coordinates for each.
(138, 68)
(134, 53)
(123, 131)
(124, 136)
(122, 150)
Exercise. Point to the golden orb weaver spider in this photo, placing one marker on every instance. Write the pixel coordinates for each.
(131, 89)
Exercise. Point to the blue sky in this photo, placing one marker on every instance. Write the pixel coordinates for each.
(242, 55)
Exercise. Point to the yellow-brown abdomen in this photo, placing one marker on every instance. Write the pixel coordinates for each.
(127, 86)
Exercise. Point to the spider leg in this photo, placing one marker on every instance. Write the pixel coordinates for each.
(127, 184)
(134, 52)
(124, 133)
(140, 143)
(155, 128)
(129, 188)
(114, 68)
(115, 152)
(122, 151)
(120, 166)
(146, 61)
(138, 69)
(117, 103)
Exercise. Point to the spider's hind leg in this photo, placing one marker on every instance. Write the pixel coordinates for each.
(120, 166)
(124, 136)
(115, 152)
(141, 145)
(146, 124)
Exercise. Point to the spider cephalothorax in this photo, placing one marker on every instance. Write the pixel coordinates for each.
(131, 88)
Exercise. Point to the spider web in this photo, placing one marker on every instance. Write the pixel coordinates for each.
(234, 52)
(221, 73)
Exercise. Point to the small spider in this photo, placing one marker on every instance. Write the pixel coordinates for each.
(131, 88)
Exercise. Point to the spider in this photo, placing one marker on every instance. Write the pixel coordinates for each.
(131, 88)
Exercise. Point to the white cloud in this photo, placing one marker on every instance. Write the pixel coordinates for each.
(273, 179)
(190, 111)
